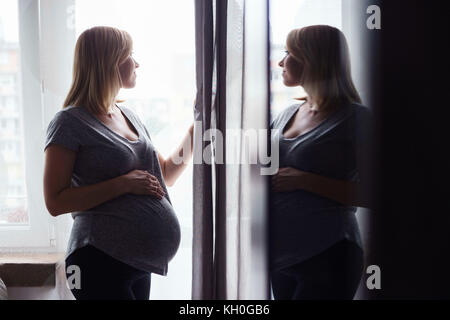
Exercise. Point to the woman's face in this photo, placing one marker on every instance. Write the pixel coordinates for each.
(127, 72)
(292, 71)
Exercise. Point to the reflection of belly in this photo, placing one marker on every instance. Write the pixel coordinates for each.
(145, 225)
(301, 221)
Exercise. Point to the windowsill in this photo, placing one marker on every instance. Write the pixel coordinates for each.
(29, 269)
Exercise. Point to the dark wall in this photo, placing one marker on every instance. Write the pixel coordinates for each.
(411, 220)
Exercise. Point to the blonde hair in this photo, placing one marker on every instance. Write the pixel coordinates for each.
(96, 78)
(324, 55)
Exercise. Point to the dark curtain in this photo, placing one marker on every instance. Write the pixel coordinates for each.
(208, 278)
(202, 247)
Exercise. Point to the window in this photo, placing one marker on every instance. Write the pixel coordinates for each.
(13, 197)
(24, 221)
(4, 58)
(164, 46)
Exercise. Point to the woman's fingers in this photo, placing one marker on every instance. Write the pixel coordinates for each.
(156, 183)
(276, 183)
(145, 183)
(153, 186)
(152, 177)
(159, 194)
(276, 179)
(157, 190)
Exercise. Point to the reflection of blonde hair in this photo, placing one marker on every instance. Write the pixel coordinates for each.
(323, 53)
(96, 79)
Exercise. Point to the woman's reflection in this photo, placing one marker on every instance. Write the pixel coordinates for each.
(316, 249)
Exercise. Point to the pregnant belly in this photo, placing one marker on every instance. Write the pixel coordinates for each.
(144, 225)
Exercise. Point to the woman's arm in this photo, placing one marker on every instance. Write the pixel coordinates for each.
(345, 192)
(61, 198)
(173, 166)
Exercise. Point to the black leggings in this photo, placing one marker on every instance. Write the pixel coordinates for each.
(332, 275)
(105, 278)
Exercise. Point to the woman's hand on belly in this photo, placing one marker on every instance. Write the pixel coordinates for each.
(287, 180)
(142, 183)
(345, 192)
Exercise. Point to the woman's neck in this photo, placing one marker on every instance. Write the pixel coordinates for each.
(313, 106)
(109, 113)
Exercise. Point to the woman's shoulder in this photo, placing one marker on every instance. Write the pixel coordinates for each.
(356, 113)
(360, 109)
(362, 114)
(65, 129)
(74, 118)
(362, 120)
(67, 114)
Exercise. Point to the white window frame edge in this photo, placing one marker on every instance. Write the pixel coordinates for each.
(42, 23)
(255, 81)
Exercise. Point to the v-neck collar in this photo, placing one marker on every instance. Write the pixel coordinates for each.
(112, 131)
(320, 125)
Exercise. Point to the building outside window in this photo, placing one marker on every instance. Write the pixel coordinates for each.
(13, 197)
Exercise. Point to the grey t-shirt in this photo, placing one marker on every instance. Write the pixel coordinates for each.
(139, 230)
(303, 224)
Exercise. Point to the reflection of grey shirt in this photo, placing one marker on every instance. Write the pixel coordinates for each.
(303, 224)
(139, 230)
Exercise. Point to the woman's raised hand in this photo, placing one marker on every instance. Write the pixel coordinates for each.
(143, 183)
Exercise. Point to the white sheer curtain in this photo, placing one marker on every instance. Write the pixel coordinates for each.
(56, 27)
(247, 111)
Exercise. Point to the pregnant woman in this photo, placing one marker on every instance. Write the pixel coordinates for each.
(316, 250)
(101, 166)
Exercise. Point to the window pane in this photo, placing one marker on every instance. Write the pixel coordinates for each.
(164, 47)
(13, 200)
